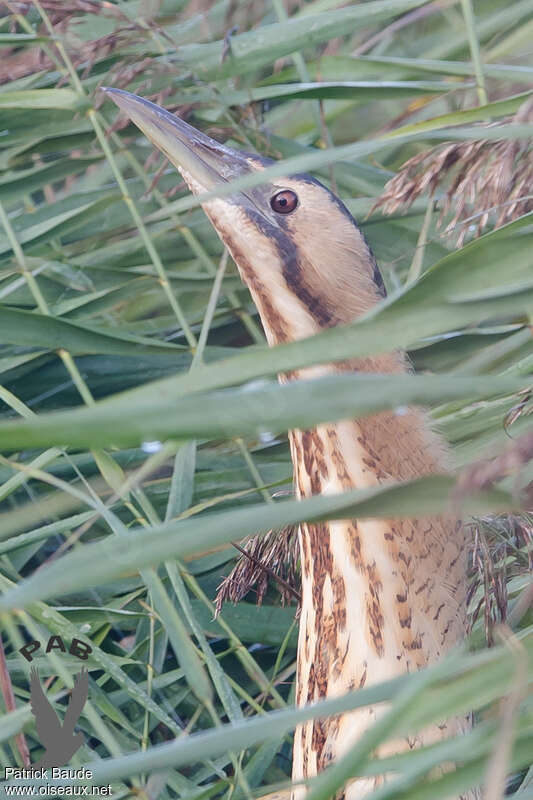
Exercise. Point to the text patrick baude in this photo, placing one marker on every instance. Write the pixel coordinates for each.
(47, 773)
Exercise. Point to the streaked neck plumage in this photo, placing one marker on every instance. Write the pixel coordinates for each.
(379, 597)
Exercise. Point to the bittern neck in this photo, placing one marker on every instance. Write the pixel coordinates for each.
(379, 597)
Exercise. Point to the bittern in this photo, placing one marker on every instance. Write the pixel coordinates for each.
(379, 597)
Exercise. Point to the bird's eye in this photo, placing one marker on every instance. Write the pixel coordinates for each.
(284, 202)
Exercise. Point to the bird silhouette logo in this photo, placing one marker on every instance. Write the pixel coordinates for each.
(59, 740)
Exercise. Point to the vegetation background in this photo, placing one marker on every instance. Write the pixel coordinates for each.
(142, 427)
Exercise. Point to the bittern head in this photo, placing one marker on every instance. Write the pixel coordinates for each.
(296, 245)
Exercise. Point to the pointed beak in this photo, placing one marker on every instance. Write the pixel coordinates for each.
(194, 154)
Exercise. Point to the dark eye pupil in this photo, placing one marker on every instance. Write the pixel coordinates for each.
(284, 202)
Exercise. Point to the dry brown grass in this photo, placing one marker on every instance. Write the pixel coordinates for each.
(482, 181)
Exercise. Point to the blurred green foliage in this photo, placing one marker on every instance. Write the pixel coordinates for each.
(140, 421)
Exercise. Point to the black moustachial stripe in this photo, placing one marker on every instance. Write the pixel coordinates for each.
(292, 271)
(294, 278)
